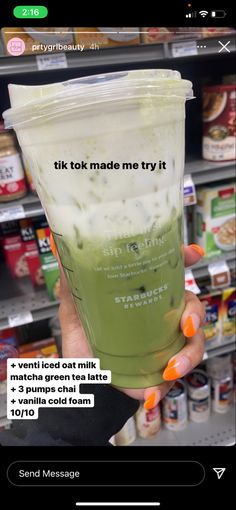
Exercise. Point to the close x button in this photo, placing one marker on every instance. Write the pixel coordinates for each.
(102, 473)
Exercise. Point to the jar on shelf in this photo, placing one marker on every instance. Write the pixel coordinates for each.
(199, 400)
(221, 372)
(12, 179)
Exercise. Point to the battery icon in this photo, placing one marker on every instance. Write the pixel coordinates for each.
(218, 14)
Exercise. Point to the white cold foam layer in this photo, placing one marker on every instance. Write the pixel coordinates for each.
(114, 202)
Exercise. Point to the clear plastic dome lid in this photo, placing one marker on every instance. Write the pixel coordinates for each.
(30, 103)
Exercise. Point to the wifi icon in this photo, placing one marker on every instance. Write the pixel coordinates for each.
(203, 13)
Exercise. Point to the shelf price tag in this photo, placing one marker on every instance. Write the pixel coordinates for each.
(184, 48)
(53, 61)
(15, 212)
(190, 197)
(18, 319)
(190, 282)
(220, 274)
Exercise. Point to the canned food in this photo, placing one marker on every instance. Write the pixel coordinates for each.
(148, 422)
(219, 122)
(222, 394)
(219, 367)
(199, 396)
(175, 407)
(127, 434)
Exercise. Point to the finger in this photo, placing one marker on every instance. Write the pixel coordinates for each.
(193, 315)
(192, 254)
(188, 358)
(151, 396)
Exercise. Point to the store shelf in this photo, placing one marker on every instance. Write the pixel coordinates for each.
(17, 297)
(203, 172)
(200, 269)
(37, 303)
(219, 430)
(120, 56)
(223, 348)
(25, 207)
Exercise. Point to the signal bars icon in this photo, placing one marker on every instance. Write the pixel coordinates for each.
(191, 15)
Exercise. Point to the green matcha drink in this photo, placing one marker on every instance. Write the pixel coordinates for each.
(117, 227)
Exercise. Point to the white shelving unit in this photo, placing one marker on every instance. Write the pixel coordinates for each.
(219, 430)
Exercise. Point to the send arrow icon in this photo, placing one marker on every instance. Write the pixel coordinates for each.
(219, 472)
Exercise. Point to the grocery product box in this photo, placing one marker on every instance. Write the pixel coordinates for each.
(41, 349)
(228, 314)
(212, 322)
(216, 31)
(15, 255)
(218, 115)
(9, 336)
(214, 219)
(36, 40)
(104, 37)
(49, 263)
(37, 344)
(155, 35)
(31, 252)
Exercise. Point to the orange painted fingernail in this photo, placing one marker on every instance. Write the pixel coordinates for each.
(53, 246)
(198, 249)
(177, 367)
(152, 400)
(191, 325)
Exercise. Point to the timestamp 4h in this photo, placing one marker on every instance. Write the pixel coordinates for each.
(94, 46)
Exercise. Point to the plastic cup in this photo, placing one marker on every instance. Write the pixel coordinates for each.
(117, 227)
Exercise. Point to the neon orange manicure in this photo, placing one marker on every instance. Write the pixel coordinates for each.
(53, 246)
(177, 367)
(198, 249)
(171, 373)
(151, 401)
(189, 330)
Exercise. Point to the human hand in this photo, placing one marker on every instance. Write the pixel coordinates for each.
(76, 345)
